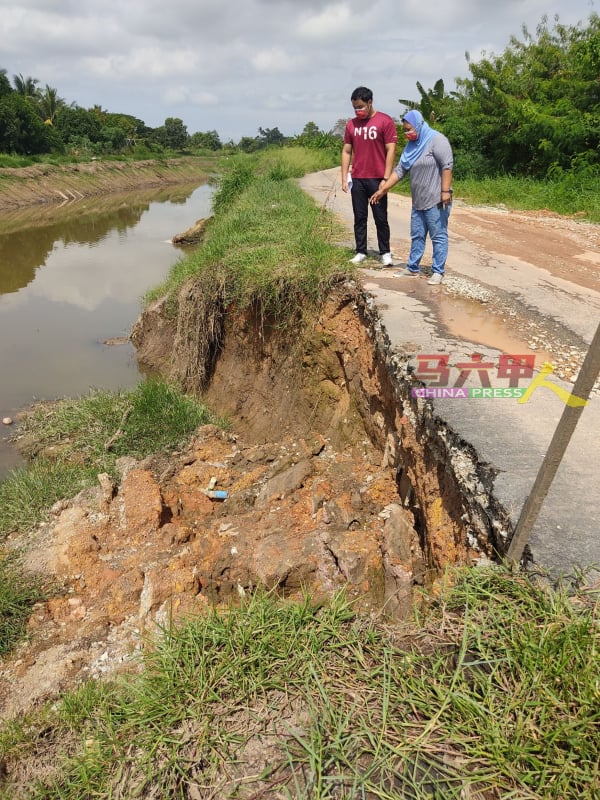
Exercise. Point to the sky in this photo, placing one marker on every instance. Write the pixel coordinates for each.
(234, 67)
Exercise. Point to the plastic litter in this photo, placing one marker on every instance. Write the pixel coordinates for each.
(215, 494)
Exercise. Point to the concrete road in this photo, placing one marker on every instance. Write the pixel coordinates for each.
(516, 284)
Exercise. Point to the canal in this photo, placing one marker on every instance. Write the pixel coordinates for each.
(72, 278)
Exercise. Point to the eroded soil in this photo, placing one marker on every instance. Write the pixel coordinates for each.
(313, 494)
(311, 502)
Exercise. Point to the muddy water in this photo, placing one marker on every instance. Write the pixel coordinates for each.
(470, 320)
(71, 280)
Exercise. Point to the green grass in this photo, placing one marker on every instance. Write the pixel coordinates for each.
(60, 159)
(268, 244)
(572, 194)
(294, 162)
(19, 591)
(28, 493)
(495, 691)
(74, 439)
(12, 162)
(53, 159)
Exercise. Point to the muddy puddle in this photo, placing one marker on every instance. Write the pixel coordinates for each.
(471, 320)
(474, 321)
(72, 277)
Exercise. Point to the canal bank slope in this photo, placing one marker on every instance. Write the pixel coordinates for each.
(49, 183)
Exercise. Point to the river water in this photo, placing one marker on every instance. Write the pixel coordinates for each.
(71, 280)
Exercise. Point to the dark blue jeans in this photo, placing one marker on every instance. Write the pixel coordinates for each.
(362, 189)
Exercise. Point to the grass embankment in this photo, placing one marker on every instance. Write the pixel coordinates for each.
(46, 183)
(11, 161)
(495, 690)
(574, 194)
(268, 243)
(269, 246)
(494, 694)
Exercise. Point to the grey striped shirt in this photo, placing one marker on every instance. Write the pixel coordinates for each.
(426, 172)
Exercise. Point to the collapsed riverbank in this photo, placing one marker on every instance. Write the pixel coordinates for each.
(329, 485)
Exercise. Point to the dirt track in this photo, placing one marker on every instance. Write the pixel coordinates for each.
(567, 247)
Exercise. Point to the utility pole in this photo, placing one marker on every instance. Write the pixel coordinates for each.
(588, 374)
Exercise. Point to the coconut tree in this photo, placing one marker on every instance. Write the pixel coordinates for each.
(26, 87)
(49, 103)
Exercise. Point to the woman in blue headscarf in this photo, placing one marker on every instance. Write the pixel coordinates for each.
(428, 158)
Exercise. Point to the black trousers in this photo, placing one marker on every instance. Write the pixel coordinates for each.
(362, 189)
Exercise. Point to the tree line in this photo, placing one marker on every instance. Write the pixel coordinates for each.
(532, 110)
(36, 121)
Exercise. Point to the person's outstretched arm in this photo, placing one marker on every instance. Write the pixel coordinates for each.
(385, 187)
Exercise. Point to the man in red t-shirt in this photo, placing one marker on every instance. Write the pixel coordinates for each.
(369, 150)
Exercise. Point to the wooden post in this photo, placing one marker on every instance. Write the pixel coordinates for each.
(588, 374)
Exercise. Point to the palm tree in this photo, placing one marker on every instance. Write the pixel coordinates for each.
(50, 103)
(432, 101)
(5, 87)
(26, 87)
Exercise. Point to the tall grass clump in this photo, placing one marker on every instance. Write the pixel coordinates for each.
(19, 591)
(294, 162)
(238, 175)
(74, 439)
(27, 493)
(13, 161)
(494, 694)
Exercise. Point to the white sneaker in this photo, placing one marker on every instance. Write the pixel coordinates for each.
(387, 260)
(358, 258)
(435, 279)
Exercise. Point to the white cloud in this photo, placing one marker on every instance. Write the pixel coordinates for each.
(276, 59)
(268, 63)
(145, 62)
(335, 21)
(177, 95)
